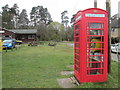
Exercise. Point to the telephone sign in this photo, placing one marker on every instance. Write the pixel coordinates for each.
(94, 15)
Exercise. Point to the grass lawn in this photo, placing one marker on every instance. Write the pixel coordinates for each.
(35, 67)
(0, 70)
(39, 67)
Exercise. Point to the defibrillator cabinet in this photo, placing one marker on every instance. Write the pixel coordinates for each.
(91, 45)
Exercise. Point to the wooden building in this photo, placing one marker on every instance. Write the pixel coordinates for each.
(25, 35)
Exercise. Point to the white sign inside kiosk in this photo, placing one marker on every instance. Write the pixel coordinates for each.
(94, 15)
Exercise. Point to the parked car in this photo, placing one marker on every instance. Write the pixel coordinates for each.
(9, 44)
(115, 48)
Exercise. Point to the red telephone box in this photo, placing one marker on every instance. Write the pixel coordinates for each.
(91, 45)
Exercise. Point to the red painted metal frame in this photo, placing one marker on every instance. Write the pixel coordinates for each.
(86, 67)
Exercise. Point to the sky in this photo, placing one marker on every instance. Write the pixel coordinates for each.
(55, 7)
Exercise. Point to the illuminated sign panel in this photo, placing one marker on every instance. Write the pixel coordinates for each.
(94, 15)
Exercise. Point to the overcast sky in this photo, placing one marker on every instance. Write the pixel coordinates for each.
(55, 7)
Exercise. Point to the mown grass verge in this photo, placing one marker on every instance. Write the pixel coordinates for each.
(40, 66)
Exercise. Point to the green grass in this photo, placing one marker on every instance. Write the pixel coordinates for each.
(0, 70)
(39, 67)
(35, 67)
